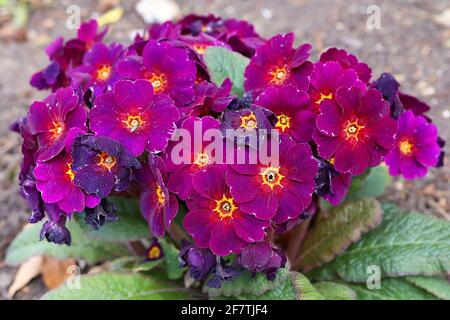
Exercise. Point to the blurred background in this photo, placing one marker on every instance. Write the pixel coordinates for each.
(409, 38)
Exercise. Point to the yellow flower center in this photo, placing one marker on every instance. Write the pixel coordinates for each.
(278, 75)
(352, 130)
(103, 72)
(271, 176)
(69, 172)
(106, 161)
(201, 159)
(283, 122)
(249, 121)
(160, 196)
(324, 97)
(154, 252)
(200, 48)
(225, 207)
(406, 147)
(133, 123)
(57, 130)
(158, 81)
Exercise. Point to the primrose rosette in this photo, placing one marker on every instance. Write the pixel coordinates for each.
(206, 152)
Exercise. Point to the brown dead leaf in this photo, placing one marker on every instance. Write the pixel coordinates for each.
(54, 271)
(28, 270)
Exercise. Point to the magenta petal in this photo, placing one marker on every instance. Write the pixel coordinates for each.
(242, 187)
(290, 206)
(199, 224)
(54, 190)
(74, 202)
(329, 120)
(224, 240)
(210, 183)
(264, 206)
(250, 229)
(326, 146)
(131, 95)
(352, 158)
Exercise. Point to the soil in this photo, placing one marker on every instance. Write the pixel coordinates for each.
(412, 43)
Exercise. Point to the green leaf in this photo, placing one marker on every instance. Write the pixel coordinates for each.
(130, 226)
(391, 289)
(371, 184)
(245, 286)
(287, 286)
(27, 244)
(336, 230)
(437, 286)
(118, 286)
(403, 244)
(335, 291)
(304, 289)
(223, 63)
(174, 271)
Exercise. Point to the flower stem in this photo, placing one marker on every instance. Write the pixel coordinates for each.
(295, 243)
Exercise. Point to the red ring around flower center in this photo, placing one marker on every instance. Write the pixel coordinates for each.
(106, 161)
(225, 207)
(133, 123)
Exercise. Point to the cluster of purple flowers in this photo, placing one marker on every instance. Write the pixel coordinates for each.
(106, 130)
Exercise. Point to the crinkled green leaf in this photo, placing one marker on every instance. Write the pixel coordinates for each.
(245, 285)
(391, 289)
(118, 286)
(336, 230)
(130, 226)
(371, 184)
(304, 289)
(335, 291)
(287, 286)
(403, 244)
(437, 286)
(223, 63)
(174, 271)
(27, 244)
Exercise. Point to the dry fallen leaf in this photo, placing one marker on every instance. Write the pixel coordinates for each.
(27, 271)
(110, 17)
(54, 271)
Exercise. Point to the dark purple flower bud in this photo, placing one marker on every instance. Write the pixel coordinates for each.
(210, 99)
(199, 261)
(101, 165)
(263, 257)
(224, 271)
(388, 86)
(331, 184)
(54, 230)
(101, 214)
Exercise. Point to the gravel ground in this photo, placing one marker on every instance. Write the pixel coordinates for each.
(412, 43)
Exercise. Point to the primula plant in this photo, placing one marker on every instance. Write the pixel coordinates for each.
(204, 161)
